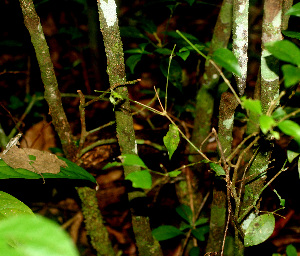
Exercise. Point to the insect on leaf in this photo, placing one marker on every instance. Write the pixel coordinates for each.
(171, 140)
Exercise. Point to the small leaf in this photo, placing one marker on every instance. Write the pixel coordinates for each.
(266, 123)
(291, 75)
(201, 221)
(195, 251)
(140, 179)
(11, 206)
(163, 51)
(291, 155)
(132, 160)
(35, 236)
(282, 201)
(284, 50)
(259, 230)
(111, 165)
(291, 34)
(185, 212)
(278, 113)
(183, 55)
(200, 232)
(294, 10)
(173, 174)
(132, 61)
(190, 2)
(291, 250)
(252, 105)
(166, 232)
(217, 169)
(171, 140)
(290, 128)
(226, 59)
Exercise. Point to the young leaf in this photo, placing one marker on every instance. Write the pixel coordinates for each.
(11, 206)
(259, 230)
(171, 140)
(166, 232)
(291, 75)
(291, 250)
(226, 59)
(201, 221)
(266, 123)
(132, 160)
(252, 105)
(185, 212)
(132, 61)
(217, 169)
(200, 232)
(290, 128)
(34, 236)
(140, 179)
(294, 10)
(284, 50)
(282, 201)
(173, 174)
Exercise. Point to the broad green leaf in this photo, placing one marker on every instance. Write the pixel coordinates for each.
(294, 10)
(291, 250)
(252, 105)
(278, 113)
(73, 171)
(175, 72)
(183, 54)
(291, 155)
(140, 179)
(226, 59)
(171, 140)
(200, 232)
(291, 34)
(173, 174)
(217, 169)
(163, 51)
(132, 61)
(195, 251)
(132, 160)
(185, 212)
(290, 128)
(201, 221)
(166, 232)
(291, 75)
(35, 236)
(259, 230)
(284, 50)
(266, 123)
(11, 206)
(282, 201)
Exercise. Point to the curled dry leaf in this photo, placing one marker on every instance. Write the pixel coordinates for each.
(33, 160)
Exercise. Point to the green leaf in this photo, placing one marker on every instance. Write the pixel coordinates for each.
(35, 236)
(15, 102)
(226, 59)
(266, 123)
(73, 171)
(175, 72)
(217, 169)
(132, 61)
(290, 128)
(201, 221)
(291, 34)
(140, 179)
(284, 50)
(252, 105)
(294, 10)
(200, 232)
(111, 165)
(291, 155)
(278, 113)
(259, 230)
(132, 160)
(173, 174)
(282, 201)
(291, 75)
(195, 251)
(132, 32)
(166, 232)
(185, 212)
(291, 250)
(171, 140)
(11, 206)
(190, 2)
(163, 51)
(184, 54)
